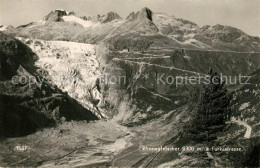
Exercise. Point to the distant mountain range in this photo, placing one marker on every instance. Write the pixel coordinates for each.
(160, 29)
(122, 76)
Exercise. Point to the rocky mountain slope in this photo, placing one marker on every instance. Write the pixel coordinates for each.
(67, 62)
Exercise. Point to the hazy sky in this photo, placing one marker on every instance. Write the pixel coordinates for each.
(243, 14)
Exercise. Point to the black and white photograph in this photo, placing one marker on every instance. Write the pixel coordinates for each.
(129, 83)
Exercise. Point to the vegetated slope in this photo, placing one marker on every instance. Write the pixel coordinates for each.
(28, 102)
(245, 103)
(161, 30)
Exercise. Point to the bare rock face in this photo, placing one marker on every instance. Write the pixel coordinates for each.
(141, 22)
(55, 15)
(130, 16)
(145, 13)
(72, 13)
(110, 17)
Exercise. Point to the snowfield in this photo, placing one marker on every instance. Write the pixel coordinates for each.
(3, 28)
(244, 106)
(84, 23)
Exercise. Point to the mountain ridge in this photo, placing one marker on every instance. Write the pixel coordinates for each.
(63, 25)
(124, 72)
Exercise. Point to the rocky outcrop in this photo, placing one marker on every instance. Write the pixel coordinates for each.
(55, 15)
(144, 13)
(111, 16)
(140, 22)
(72, 13)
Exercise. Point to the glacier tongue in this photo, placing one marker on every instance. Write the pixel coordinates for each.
(73, 67)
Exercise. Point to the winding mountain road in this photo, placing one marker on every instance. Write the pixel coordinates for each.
(160, 66)
(248, 127)
(247, 135)
(209, 154)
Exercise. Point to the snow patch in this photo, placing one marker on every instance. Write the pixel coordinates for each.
(186, 57)
(191, 35)
(84, 23)
(3, 28)
(118, 145)
(244, 106)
